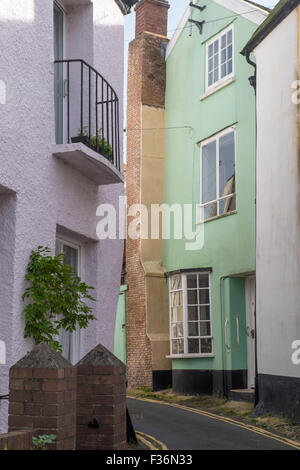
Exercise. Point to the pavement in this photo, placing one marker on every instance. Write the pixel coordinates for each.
(176, 427)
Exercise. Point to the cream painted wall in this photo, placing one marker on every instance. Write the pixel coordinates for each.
(278, 201)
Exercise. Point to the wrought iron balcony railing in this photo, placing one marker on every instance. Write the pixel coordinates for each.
(86, 109)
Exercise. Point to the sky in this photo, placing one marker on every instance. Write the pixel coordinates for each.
(177, 8)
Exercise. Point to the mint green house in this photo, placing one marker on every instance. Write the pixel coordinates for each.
(210, 163)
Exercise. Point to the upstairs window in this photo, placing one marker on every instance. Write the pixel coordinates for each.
(219, 55)
(218, 175)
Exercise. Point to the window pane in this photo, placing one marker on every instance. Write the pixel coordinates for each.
(180, 346)
(179, 313)
(192, 297)
(216, 61)
(174, 346)
(174, 330)
(204, 296)
(192, 281)
(206, 346)
(229, 52)
(204, 312)
(211, 210)
(203, 280)
(210, 50)
(216, 46)
(223, 56)
(216, 75)
(204, 329)
(192, 313)
(226, 164)
(229, 66)
(179, 330)
(208, 172)
(210, 78)
(210, 65)
(176, 299)
(193, 329)
(193, 345)
(176, 282)
(71, 257)
(229, 37)
(223, 41)
(228, 205)
(173, 315)
(223, 70)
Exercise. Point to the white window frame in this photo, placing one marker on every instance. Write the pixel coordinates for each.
(225, 79)
(60, 242)
(184, 291)
(202, 205)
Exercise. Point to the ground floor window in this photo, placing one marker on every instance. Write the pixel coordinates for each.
(70, 341)
(190, 313)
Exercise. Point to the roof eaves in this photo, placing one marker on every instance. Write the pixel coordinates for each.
(280, 12)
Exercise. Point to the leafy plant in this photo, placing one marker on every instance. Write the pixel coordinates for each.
(57, 298)
(41, 442)
(103, 147)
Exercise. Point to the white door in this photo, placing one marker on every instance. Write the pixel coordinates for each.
(250, 325)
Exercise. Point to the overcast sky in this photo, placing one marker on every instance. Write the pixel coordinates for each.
(177, 8)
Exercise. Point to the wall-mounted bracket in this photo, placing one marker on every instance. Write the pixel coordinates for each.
(199, 24)
(197, 6)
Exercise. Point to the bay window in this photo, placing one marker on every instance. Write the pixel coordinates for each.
(190, 313)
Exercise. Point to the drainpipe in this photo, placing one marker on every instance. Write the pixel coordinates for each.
(253, 83)
(252, 79)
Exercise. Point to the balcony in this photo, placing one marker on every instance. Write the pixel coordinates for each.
(87, 122)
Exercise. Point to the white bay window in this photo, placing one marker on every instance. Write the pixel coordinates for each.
(190, 314)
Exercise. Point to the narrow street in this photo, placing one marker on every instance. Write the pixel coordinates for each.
(184, 429)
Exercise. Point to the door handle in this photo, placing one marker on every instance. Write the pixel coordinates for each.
(225, 335)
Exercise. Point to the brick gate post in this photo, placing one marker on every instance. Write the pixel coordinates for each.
(42, 396)
(101, 401)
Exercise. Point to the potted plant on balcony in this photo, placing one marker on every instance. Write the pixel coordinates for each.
(103, 147)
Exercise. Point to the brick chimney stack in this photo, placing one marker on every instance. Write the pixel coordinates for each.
(147, 314)
(152, 17)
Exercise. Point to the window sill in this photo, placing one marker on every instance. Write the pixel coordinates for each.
(217, 217)
(189, 356)
(218, 87)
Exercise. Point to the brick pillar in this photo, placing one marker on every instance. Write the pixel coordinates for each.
(146, 92)
(152, 17)
(42, 396)
(101, 402)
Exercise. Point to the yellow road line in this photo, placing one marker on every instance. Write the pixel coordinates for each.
(224, 419)
(146, 442)
(161, 444)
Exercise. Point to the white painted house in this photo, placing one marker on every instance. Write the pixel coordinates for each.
(276, 47)
(61, 74)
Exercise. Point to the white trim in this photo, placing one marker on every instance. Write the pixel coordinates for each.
(189, 356)
(257, 16)
(219, 85)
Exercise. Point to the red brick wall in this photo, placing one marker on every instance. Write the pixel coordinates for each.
(44, 400)
(101, 396)
(20, 440)
(151, 16)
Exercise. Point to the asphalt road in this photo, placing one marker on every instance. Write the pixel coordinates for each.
(185, 430)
